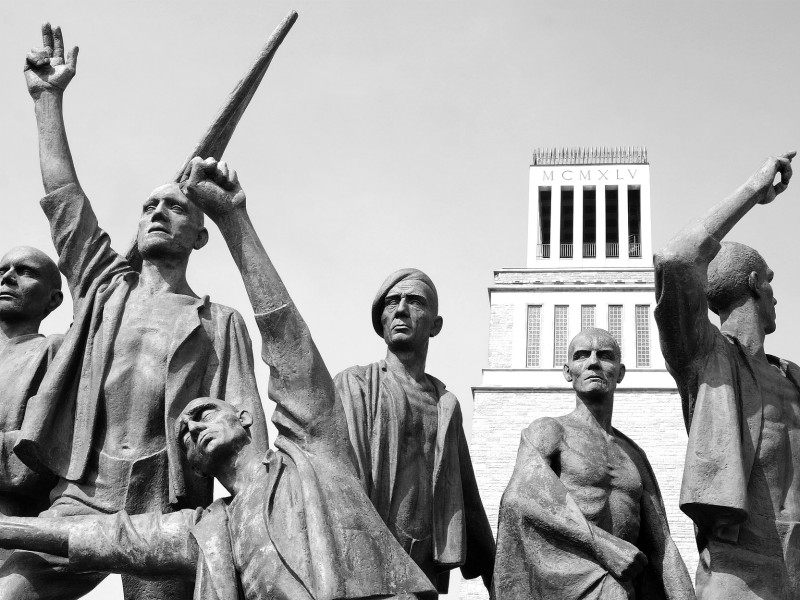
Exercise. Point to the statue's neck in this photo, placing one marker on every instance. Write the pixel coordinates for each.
(744, 324)
(164, 276)
(409, 363)
(13, 329)
(595, 411)
(240, 470)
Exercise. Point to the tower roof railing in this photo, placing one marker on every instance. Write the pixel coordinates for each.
(595, 155)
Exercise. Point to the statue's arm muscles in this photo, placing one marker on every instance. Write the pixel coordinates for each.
(538, 496)
(681, 270)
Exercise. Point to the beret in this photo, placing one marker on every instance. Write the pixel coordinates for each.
(391, 281)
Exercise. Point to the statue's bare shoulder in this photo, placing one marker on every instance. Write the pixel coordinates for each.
(546, 435)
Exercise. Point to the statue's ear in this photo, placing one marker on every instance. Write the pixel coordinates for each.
(437, 326)
(246, 419)
(56, 298)
(567, 374)
(621, 375)
(202, 238)
(754, 283)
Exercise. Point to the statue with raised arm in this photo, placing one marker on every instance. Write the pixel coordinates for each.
(582, 517)
(30, 289)
(741, 406)
(298, 524)
(141, 347)
(407, 433)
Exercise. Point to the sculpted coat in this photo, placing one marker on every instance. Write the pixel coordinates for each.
(24, 362)
(376, 408)
(209, 355)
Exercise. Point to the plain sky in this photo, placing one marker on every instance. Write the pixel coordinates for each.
(394, 134)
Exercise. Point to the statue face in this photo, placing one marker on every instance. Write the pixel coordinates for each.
(29, 285)
(408, 318)
(593, 364)
(211, 432)
(170, 225)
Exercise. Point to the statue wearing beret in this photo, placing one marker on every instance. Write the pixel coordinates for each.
(407, 432)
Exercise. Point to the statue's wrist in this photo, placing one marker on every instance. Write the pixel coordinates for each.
(231, 221)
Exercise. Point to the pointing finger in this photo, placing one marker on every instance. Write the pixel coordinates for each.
(58, 44)
(47, 38)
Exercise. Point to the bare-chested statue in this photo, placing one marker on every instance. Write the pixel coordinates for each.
(741, 481)
(141, 347)
(298, 524)
(582, 517)
(30, 289)
(406, 429)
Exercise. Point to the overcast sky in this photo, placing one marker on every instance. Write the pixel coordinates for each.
(394, 134)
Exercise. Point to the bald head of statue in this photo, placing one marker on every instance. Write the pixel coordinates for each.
(30, 286)
(739, 276)
(594, 364)
(405, 311)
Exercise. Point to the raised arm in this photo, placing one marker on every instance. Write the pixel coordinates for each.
(84, 250)
(682, 266)
(299, 381)
(48, 72)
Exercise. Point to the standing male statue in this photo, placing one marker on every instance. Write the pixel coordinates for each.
(741, 406)
(582, 517)
(406, 429)
(142, 346)
(298, 525)
(30, 289)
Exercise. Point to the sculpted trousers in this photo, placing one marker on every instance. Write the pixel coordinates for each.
(138, 486)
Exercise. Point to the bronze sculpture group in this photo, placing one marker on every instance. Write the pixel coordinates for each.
(112, 434)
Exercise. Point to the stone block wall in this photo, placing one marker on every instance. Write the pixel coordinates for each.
(501, 326)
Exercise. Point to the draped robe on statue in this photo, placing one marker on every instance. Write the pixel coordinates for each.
(377, 408)
(537, 561)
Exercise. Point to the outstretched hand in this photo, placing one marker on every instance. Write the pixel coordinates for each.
(213, 187)
(46, 68)
(763, 181)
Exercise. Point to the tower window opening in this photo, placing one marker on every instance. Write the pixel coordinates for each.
(534, 336)
(561, 336)
(545, 207)
(615, 323)
(589, 222)
(567, 221)
(612, 222)
(635, 221)
(642, 335)
(587, 316)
